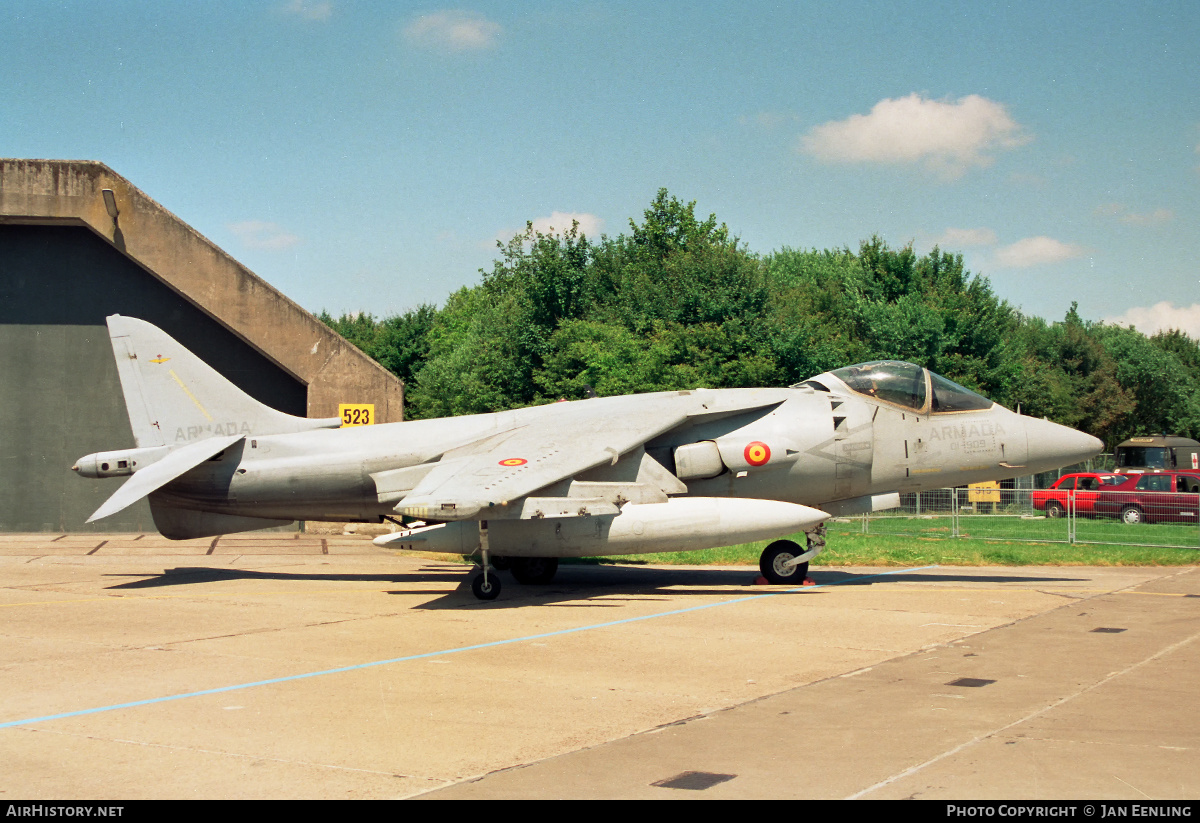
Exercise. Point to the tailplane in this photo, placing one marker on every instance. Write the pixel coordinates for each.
(174, 398)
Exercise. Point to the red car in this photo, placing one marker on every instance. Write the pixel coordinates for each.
(1086, 487)
(1168, 497)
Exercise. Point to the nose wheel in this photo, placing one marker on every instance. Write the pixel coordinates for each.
(784, 563)
(775, 563)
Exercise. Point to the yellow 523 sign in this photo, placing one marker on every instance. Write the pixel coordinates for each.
(356, 414)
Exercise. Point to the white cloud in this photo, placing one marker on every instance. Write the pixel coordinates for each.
(257, 234)
(1161, 317)
(1034, 251)
(453, 31)
(963, 238)
(1120, 212)
(946, 137)
(1149, 218)
(557, 223)
(309, 9)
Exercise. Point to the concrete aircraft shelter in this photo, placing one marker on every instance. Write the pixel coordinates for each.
(78, 242)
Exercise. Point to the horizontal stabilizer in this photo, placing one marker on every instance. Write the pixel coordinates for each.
(164, 471)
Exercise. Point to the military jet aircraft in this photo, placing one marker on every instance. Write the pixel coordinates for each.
(667, 471)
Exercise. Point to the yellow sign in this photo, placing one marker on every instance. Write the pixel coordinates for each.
(988, 492)
(356, 414)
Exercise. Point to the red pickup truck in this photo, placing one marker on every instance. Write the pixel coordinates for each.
(1085, 487)
(1165, 497)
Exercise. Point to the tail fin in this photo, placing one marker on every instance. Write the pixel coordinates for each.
(175, 398)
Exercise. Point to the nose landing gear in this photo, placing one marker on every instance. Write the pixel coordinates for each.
(784, 563)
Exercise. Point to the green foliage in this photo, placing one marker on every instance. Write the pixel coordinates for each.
(679, 303)
(400, 344)
(1163, 395)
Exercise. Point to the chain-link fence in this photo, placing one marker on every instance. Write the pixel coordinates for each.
(1029, 515)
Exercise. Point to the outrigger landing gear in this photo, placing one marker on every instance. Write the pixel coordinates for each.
(485, 586)
(785, 563)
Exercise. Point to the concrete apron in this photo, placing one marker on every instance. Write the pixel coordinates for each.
(299, 666)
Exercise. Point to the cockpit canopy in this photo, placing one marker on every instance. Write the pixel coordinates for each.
(907, 385)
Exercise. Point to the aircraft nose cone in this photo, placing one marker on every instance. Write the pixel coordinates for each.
(1052, 446)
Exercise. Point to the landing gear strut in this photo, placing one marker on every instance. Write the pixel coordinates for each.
(485, 586)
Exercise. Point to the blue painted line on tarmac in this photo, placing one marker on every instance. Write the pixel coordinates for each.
(458, 650)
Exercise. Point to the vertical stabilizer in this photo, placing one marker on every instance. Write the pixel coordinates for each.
(175, 398)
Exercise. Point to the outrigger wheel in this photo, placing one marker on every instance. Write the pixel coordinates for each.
(486, 586)
(773, 563)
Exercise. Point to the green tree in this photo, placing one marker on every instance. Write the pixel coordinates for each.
(400, 343)
(679, 302)
(1164, 396)
(478, 358)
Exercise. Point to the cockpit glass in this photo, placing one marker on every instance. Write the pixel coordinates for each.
(891, 380)
(948, 396)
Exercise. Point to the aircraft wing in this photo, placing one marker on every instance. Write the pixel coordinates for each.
(506, 466)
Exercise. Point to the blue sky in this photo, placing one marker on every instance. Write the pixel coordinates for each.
(367, 155)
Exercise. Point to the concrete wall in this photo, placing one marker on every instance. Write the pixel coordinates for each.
(70, 192)
(64, 266)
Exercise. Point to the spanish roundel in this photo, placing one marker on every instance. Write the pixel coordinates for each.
(757, 453)
(514, 461)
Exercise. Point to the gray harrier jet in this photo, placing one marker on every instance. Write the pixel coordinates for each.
(668, 471)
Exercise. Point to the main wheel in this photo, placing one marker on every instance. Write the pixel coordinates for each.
(536, 571)
(1055, 509)
(486, 588)
(773, 562)
(1132, 515)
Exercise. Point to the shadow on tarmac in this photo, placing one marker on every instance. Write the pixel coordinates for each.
(191, 575)
(575, 584)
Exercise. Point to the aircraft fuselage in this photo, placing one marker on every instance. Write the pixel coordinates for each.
(808, 453)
